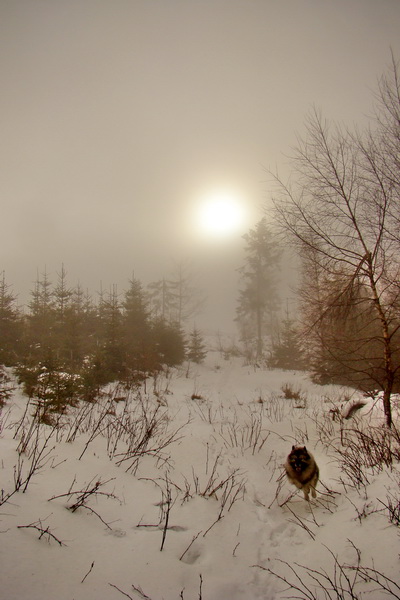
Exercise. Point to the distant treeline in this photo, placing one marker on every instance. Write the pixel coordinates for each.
(65, 346)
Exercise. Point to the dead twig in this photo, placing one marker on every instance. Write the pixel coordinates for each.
(191, 544)
(42, 531)
(84, 495)
(88, 573)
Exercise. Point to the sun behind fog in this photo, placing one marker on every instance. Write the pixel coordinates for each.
(220, 214)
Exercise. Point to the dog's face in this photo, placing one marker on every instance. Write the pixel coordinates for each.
(299, 459)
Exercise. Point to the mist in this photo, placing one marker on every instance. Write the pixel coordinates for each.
(116, 116)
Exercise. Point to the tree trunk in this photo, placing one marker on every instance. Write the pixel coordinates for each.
(259, 312)
(387, 349)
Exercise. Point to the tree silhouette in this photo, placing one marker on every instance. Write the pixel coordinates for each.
(258, 297)
(196, 349)
(10, 325)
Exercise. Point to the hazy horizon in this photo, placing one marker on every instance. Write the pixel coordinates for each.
(119, 119)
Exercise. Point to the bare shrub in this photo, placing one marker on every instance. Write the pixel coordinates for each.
(274, 409)
(216, 486)
(342, 582)
(392, 506)
(249, 435)
(365, 451)
(146, 432)
(140, 593)
(292, 393)
(81, 497)
(226, 489)
(78, 419)
(134, 426)
(43, 531)
(205, 409)
(34, 452)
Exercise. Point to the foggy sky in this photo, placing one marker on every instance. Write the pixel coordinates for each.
(115, 115)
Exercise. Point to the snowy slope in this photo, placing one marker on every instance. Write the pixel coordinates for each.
(199, 476)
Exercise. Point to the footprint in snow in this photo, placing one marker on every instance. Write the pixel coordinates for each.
(192, 555)
(262, 514)
(175, 528)
(281, 533)
(116, 532)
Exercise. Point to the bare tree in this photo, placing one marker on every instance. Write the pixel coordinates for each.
(343, 208)
(186, 300)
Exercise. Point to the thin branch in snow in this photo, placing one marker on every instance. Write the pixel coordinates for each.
(123, 593)
(88, 573)
(43, 531)
(301, 523)
(138, 591)
(191, 544)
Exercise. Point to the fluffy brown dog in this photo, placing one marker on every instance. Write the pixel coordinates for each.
(302, 470)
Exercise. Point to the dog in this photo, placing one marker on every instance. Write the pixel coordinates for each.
(302, 470)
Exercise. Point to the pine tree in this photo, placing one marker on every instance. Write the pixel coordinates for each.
(62, 295)
(10, 325)
(169, 344)
(287, 353)
(160, 299)
(196, 348)
(6, 386)
(66, 327)
(78, 329)
(40, 340)
(110, 323)
(137, 343)
(258, 298)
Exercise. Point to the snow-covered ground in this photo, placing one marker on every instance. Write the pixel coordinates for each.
(177, 492)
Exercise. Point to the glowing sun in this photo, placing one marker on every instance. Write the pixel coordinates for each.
(220, 214)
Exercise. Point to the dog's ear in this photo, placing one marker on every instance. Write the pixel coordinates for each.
(293, 448)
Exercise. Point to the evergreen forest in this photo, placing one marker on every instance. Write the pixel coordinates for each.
(65, 346)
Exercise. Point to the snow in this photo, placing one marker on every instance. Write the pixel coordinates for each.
(208, 488)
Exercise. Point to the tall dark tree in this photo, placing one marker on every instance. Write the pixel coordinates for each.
(160, 299)
(136, 339)
(66, 326)
(62, 295)
(40, 343)
(110, 324)
(10, 325)
(79, 336)
(169, 344)
(258, 297)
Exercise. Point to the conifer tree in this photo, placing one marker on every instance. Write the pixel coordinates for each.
(10, 325)
(6, 386)
(196, 348)
(258, 297)
(136, 340)
(62, 295)
(111, 335)
(169, 344)
(66, 327)
(40, 338)
(287, 352)
(160, 299)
